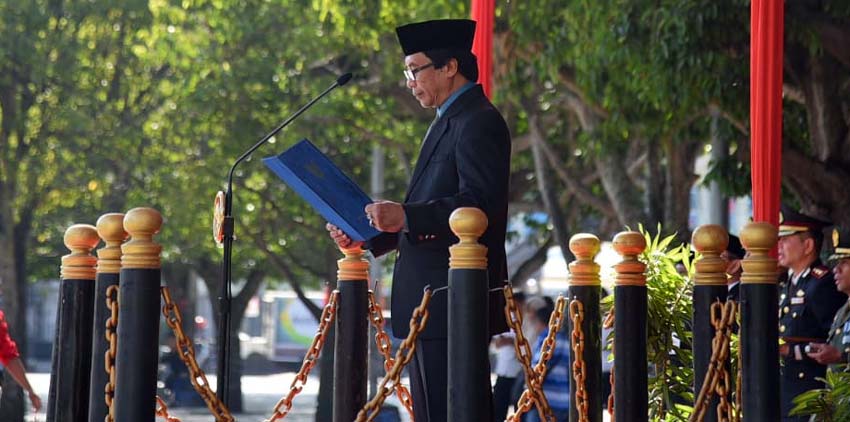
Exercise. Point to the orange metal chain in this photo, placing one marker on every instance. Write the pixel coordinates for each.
(716, 377)
(282, 408)
(162, 411)
(402, 358)
(533, 394)
(186, 351)
(609, 323)
(109, 356)
(579, 369)
(382, 340)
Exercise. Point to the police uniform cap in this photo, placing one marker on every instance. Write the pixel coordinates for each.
(455, 34)
(793, 222)
(734, 247)
(840, 243)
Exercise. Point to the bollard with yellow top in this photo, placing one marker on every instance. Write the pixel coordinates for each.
(69, 380)
(468, 338)
(585, 288)
(710, 240)
(759, 324)
(110, 228)
(352, 336)
(138, 319)
(630, 302)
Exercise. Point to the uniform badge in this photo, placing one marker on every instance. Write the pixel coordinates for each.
(835, 238)
(819, 272)
(798, 300)
(801, 293)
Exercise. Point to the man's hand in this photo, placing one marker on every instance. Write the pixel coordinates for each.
(340, 238)
(386, 216)
(35, 400)
(823, 353)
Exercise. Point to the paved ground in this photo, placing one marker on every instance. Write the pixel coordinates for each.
(260, 394)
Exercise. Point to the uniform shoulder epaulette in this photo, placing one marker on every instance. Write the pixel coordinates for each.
(820, 271)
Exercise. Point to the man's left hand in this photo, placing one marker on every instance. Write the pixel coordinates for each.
(386, 216)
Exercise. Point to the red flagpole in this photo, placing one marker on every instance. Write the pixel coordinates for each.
(483, 12)
(766, 48)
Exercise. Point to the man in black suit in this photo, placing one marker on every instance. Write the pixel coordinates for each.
(808, 301)
(733, 255)
(464, 162)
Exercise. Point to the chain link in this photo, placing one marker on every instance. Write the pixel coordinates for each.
(162, 411)
(607, 323)
(186, 351)
(111, 334)
(382, 340)
(738, 408)
(579, 369)
(402, 357)
(282, 408)
(717, 377)
(533, 394)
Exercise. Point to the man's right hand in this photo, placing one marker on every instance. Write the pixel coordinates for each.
(341, 239)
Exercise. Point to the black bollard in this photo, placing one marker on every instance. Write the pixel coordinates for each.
(759, 325)
(585, 287)
(352, 336)
(138, 319)
(110, 228)
(69, 381)
(630, 373)
(468, 364)
(709, 286)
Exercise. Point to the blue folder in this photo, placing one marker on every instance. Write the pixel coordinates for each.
(325, 187)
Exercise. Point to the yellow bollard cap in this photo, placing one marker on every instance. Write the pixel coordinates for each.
(80, 239)
(141, 252)
(110, 228)
(468, 224)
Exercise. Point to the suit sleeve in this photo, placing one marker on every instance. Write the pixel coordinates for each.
(482, 155)
(382, 243)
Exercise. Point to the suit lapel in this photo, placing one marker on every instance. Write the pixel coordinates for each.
(429, 145)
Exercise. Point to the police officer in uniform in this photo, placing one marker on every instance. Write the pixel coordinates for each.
(807, 304)
(836, 351)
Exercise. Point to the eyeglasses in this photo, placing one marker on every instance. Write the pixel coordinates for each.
(410, 74)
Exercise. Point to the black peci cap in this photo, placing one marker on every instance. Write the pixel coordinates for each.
(437, 34)
(792, 222)
(841, 243)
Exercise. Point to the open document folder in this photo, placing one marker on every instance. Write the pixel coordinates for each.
(325, 187)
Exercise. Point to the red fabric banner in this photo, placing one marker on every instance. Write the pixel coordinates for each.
(483, 12)
(766, 44)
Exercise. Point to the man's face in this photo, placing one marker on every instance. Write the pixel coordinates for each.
(842, 275)
(427, 85)
(791, 250)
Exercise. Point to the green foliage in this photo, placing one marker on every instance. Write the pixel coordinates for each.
(669, 310)
(828, 404)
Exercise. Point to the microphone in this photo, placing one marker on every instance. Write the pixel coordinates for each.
(223, 370)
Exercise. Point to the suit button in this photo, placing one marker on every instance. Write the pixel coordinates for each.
(837, 331)
(786, 309)
(794, 315)
(801, 375)
(781, 328)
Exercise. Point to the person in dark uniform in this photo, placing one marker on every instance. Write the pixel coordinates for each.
(464, 161)
(836, 351)
(807, 303)
(733, 255)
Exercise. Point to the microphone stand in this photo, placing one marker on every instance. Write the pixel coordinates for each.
(225, 296)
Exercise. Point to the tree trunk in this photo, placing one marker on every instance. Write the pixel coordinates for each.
(547, 191)
(679, 179)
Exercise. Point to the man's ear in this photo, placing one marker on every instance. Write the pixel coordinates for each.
(809, 246)
(451, 67)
